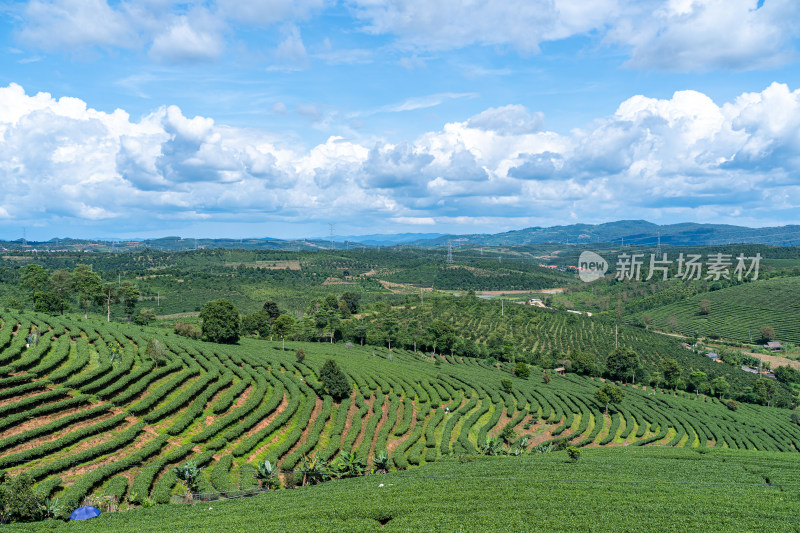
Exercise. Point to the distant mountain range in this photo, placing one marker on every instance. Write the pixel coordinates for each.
(628, 232)
(638, 232)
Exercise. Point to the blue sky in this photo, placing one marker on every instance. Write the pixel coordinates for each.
(275, 118)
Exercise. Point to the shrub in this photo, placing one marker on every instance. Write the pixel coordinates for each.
(506, 385)
(18, 501)
(334, 380)
(187, 330)
(573, 453)
(732, 405)
(522, 370)
(300, 355)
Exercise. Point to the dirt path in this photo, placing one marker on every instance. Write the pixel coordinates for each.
(365, 422)
(381, 423)
(393, 444)
(311, 421)
(54, 436)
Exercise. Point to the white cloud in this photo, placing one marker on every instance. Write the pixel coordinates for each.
(707, 34)
(291, 52)
(675, 35)
(188, 40)
(76, 24)
(68, 163)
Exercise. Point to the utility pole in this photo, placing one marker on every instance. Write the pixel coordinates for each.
(616, 336)
(421, 297)
(502, 308)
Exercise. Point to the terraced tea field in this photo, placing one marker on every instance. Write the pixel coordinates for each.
(737, 313)
(83, 416)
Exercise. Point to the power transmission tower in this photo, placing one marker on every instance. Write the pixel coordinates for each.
(331, 226)
(659, 253)
(449, 252)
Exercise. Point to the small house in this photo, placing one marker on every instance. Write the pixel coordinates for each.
(750, 369)
(561, 370)
(774, 346)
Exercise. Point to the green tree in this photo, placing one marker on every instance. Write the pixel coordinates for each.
(300, 355)
(585, 364)
(128, 294)
(272, 310)
(34, 279)
(220, 321)
(720, 386)
(145, 316)
(506, 385)
(608, 394)
(623, 363)
(155, 351)
(767, 333)
(698, 379)
(61, 288)
(522, 370)
(258, 322)
(765, 390)
(351, 301)
(672, 372)
(87, 285)
(787, 374)
(705, 306)
(283, 326)
(110, 296)
(334, 380)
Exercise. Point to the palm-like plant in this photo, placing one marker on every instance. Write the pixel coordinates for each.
(314, 471)
(491, 447)
(267, 475)
(518, 448)
(381, 463)
(50, 508)
(349, 465)
(188, 473)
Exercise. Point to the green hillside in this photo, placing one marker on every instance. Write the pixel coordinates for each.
(80, 423)
(612, 489)
(738, 312)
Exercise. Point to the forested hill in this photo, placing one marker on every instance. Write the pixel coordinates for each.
(632, 232)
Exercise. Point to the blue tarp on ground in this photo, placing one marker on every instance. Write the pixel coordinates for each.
(84, 513)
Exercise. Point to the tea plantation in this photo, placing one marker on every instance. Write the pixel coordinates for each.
(87, 410)
(610, 489)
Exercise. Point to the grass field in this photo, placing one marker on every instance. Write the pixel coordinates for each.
(609, 489)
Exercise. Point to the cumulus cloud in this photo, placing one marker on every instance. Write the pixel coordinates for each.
(65, 163)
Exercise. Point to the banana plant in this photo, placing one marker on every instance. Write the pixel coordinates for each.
(50, 508)
(188, 473)
(349, 465)
(267, 474)
(491, 447)
(381, 463)
(314, 471)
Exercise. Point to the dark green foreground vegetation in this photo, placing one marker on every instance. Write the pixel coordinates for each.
(609, 489)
